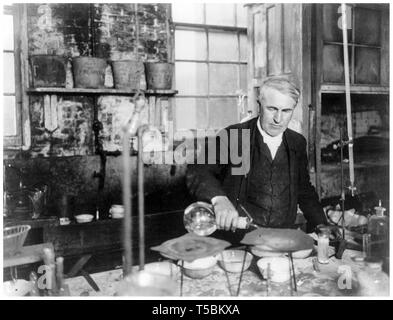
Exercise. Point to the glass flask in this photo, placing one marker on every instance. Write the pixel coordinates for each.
(200, 219)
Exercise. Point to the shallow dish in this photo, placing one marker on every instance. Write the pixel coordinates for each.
(301, 254)
(83, 218)
(232, 260)
(199, 268)
(265, 253)
(260, 252)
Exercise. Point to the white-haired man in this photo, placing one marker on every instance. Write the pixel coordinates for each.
(278, 178)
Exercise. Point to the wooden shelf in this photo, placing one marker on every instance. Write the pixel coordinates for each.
(361, 89)
(102, 91)
(45, 221)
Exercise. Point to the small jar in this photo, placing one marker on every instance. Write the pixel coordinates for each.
(323, 245)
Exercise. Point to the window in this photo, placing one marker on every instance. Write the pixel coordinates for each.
(12, 78)
(210, 63)
(364, 44)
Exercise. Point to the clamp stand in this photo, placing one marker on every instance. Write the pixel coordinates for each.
(340, 248)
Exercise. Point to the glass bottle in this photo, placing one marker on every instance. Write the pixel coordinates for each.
(372, 280)
(378, 228)
(323, 245)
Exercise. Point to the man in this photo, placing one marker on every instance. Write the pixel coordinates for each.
(278, 178)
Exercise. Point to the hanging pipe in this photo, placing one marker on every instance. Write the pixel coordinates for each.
(348, 99)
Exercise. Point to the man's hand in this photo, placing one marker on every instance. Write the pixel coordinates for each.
(226, 214)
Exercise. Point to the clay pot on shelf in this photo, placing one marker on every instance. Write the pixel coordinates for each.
(48, 70)
(89, 72)
(159, 75)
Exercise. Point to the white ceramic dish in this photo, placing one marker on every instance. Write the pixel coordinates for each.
(232, 260)
(165, 268)
(200, 268)
(118, 216)
(265, 253)
(84, 218)
(64, 221)
(279, 268)
(301, 254)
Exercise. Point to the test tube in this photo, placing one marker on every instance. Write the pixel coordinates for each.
(366, 244)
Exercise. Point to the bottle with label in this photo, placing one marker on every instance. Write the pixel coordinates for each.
(372, 280)
(378, 228)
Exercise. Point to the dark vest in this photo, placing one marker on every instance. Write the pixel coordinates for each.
(268, 185)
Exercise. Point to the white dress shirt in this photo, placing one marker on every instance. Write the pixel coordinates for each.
(273, 143)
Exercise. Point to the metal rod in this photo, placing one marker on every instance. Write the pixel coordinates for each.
(127, 221)
(348, 97)
(141, 199)
(181, 278)
(241, 274)
(268, 279)
(342, 183)
(293, 271)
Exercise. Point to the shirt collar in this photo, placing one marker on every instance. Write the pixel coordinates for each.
(267, 137)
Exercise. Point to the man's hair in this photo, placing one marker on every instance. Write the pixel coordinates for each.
(282, 85)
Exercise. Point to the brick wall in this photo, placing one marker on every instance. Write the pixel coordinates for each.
(62, 151)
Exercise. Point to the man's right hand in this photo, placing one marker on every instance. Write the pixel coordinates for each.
(226, 214)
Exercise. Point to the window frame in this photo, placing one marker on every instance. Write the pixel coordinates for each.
(353, 44)
(22, 138)
(206, 29)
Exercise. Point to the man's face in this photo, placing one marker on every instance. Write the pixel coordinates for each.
(276, 111)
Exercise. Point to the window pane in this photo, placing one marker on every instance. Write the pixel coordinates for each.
(223, 79)
(243, 78)
(9, 73)
(9, 114)
(222, 14)
(367, 67)
(222, 112)
(223, 46)
(333, 63)
(274, 41)
(243, 47)
(191, 78)
(190, 45)
(241, 15)
(190, 113)
(191, 13)
(260, 47)
(367, 26)
(7, 27)
(332, 21)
